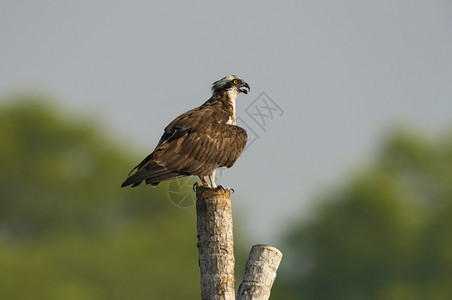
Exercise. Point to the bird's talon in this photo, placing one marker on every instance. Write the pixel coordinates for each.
(232, 190)
(221, 187)
(199, 185)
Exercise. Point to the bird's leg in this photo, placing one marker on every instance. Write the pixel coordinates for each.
(204, 181)
(212, 179)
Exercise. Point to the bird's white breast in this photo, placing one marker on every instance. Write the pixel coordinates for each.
(232, 95)
(231, 120)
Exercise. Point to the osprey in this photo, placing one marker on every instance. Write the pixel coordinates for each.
(198, 141)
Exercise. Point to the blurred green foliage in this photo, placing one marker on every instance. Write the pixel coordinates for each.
(387, 234)
(67, 229)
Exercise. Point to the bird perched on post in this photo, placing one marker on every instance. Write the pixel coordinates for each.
(198, 141)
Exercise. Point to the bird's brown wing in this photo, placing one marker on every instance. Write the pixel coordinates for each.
(148, 169)
(201, 151)
(191, 145)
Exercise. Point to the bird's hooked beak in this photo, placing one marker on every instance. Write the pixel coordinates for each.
(244, 88)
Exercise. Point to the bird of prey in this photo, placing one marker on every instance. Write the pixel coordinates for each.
(198, 141)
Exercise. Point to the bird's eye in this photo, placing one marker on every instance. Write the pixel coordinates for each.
(235, 81)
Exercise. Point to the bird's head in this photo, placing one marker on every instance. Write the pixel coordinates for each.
(232, 85)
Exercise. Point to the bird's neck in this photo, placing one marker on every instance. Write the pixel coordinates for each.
(232, 119)
(227, 100)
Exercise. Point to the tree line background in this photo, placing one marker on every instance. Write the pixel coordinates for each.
(67, 231)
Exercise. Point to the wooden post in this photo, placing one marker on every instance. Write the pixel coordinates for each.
(216, 252)
(260, 273)
(215, 243)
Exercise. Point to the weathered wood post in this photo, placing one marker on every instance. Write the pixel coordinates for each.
(216, 252)
(215, 243)
(260, 273)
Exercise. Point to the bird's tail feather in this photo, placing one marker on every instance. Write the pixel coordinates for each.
(152, 173)
(163, 177)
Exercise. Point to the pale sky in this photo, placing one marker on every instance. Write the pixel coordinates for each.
(342, 72)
